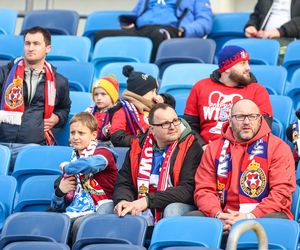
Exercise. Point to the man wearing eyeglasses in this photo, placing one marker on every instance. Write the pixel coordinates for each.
(248, 173)
(157, 178)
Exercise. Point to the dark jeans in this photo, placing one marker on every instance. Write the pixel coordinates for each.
(157, 34)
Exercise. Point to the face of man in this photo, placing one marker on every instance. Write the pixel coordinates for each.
(245, 120)
(35, 48)
(165, 127)
(240, 73)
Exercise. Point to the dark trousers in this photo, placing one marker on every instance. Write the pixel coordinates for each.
(157, 34)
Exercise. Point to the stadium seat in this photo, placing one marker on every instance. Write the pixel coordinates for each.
(281, 233)
(277, 128)
(291, 59)
(261, 51)
(62, 135)
(35, 226)
(39, 160)
(80, 101)
(293, 89)
(187, 231)
(295, 208)
(188, 50)
(57, 22)
(273, 78)
(5, 155)
(8, 20)
(36, 245)
(122, 230)
(69, 48)
(8, 185)
(35, 193)
(79, 74)
(112, 247)
(11, 46)
(121, 151)
(227, 26)
(116, 70)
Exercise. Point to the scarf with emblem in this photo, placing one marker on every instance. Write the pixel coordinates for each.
(145, 166)
(253, 182)
(89, 194)
(12, 99)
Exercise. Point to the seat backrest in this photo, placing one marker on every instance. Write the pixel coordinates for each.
(277, 128)
(8, 20)
(295, 208)
(128, 228)
(40, 160)
(121, 49)
(121, 151)
(281, 233)
(57, 22)
(188, 50)
(8, 185)
(293, 89)
(117, 68)
(5, 155)
(11, 46)
(80, 101)
(69, 48)
(187, 230)
(79, 74)
(36, 245)
(112, 247)
(291, 60)
(272, 77)
(35, 193)
(261, 51)
(55, 226)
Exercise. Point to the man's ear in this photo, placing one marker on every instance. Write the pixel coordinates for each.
(95, 133)
(48, 48)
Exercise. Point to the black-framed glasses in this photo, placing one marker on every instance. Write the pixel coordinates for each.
(176, 122)
(242, 117)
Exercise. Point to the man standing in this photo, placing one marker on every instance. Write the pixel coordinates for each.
(159, 169)
(248, 173)
(209, 103)
(34, 98)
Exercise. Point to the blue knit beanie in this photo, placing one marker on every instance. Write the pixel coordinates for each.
(231, 55)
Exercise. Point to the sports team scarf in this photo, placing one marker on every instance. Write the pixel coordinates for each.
(253, 184)
(296, 136)
(145, 165)
(89, 193)
(132, 117)
(12, 100)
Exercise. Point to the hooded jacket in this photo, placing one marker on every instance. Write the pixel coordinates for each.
(281, 172)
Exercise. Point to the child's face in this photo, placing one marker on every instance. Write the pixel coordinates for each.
(81, 136)
(102, 99)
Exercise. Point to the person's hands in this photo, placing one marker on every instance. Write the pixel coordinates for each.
(158, 99)
(133, 207)
(250, 31)
(63, 164)
(274, 33)
(129, 26)
(50, 122)
(68, 184)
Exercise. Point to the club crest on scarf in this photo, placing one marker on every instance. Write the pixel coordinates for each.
(14, 94)
(253, 180)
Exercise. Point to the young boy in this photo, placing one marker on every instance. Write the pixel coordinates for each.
(88, 179)
(105, 94)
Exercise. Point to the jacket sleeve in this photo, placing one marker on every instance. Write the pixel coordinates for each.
(291, 28)
(254, 17)
(282, 182)
(184, 191)
(205, 195)
(63, 103)
(201, 24)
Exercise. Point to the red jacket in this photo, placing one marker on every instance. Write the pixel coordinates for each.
(282, 181)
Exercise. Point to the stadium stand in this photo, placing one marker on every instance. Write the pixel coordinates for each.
(8, 21)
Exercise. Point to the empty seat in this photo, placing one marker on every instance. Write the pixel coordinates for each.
(112, 247)
(291, 60)
(5, 155)
(80, 101)
(11, 46)
(36, 245)
(57, 22)
(293, 89)
(8, 20)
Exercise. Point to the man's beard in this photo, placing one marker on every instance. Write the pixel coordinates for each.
(240, 78)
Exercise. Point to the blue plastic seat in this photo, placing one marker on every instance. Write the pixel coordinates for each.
(62, 135)
(261, 51)
(39, 160)
(295, 208)
(116, 70)
(281, 233)
(35, 226)
(188, 50)
(36, 245)
(111, 229)
(57, 22)
(8, 20)
(227, 26)
(69, 48)
(112, 247)
(80, 101)
(293, 89)
(121, 49)
(277, 128)
(291, 59)
(11, 46)
(187, 231)
(79, 74)
(35, 193)
(121, 151)
(5, 155)
(273, 78)
(8, 185)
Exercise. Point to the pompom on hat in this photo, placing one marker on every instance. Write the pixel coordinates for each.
(231, 55)
(110, 85)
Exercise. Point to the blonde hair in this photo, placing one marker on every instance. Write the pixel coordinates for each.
(86, 119)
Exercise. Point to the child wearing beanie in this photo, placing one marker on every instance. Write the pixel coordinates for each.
(105, 93)
(139, 97)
